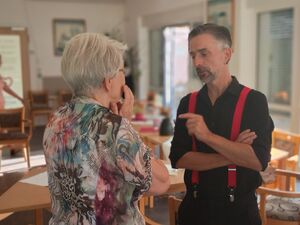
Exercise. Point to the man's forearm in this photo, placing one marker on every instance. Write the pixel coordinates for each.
(239, 153)
(201, 161)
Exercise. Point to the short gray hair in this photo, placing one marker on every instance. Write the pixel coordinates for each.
(220, 33)
(88, 59)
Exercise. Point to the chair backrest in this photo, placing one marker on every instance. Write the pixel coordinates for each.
(12, 119)
(174, 204)
(149, 221)
(274, 201)
(64, 96)
(38, 99)
(287, 141)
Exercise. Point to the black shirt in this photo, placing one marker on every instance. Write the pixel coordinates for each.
(218, 118)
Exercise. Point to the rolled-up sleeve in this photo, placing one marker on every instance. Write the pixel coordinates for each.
(256, 117)
(133, 157)
(182, 141)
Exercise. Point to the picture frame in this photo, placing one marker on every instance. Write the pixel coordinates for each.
(221, 12)
(64, 30)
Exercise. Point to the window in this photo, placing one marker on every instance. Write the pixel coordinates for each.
(176, 65)
(156, 61)
(275, 38)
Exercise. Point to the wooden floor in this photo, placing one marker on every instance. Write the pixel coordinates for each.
(8, 179)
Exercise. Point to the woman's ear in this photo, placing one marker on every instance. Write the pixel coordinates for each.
(107, 84)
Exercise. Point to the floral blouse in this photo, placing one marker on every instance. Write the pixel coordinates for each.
(98, 167)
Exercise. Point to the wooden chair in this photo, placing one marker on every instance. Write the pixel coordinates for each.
(173, 203)
(280, 206)
(13, 133)
(64, 96)
(289, 142)
(146, 200)
(149, 221)
(292, 162)
(39, 104)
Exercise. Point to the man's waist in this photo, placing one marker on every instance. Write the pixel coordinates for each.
(239, 197)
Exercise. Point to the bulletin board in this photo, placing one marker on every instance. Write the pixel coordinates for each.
(15, 62)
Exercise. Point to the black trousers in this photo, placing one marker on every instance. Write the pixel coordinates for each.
(212, 212)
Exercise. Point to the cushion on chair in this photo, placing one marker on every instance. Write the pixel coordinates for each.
(287, 209)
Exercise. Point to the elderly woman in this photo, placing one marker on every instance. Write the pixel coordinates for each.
(98, 167)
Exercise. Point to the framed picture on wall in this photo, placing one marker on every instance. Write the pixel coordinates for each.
(64, 30)
(221, 12)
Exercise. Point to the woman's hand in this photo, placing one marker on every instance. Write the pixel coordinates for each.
(125, 108)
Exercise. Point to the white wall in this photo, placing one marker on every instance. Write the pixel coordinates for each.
(38, 16)
(139, 8)
(140, 14)
(12, 13)
(130, 17)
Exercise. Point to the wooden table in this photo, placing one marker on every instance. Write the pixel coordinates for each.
(153, 140)
(292, 163)
(280, 156)
(24, 196)
(144, 127)
(176, 185)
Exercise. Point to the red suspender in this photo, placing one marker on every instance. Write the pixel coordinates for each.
(192, 109)
(237, 118)
(235, 130)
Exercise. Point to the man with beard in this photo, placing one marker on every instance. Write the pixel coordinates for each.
(222, 161)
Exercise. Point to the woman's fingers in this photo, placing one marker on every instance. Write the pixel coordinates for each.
(114, 108)
(129, 97)
(127, 106)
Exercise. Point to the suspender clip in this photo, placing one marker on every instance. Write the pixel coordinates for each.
(195, 190)
(231, 195)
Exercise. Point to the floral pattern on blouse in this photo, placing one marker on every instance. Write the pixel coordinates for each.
(98, 167)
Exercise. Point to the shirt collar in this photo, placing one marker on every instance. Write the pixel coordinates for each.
(234, 87)
(88, 100)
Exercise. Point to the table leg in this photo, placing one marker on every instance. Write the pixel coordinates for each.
(282, 179)
(142, 205)
(39, 217)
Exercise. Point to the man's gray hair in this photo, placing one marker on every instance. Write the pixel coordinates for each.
(88, 59)
(218, 32)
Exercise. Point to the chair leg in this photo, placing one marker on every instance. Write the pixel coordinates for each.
(151, 201)
(32, 120)
(26, 151)
(0, 158)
